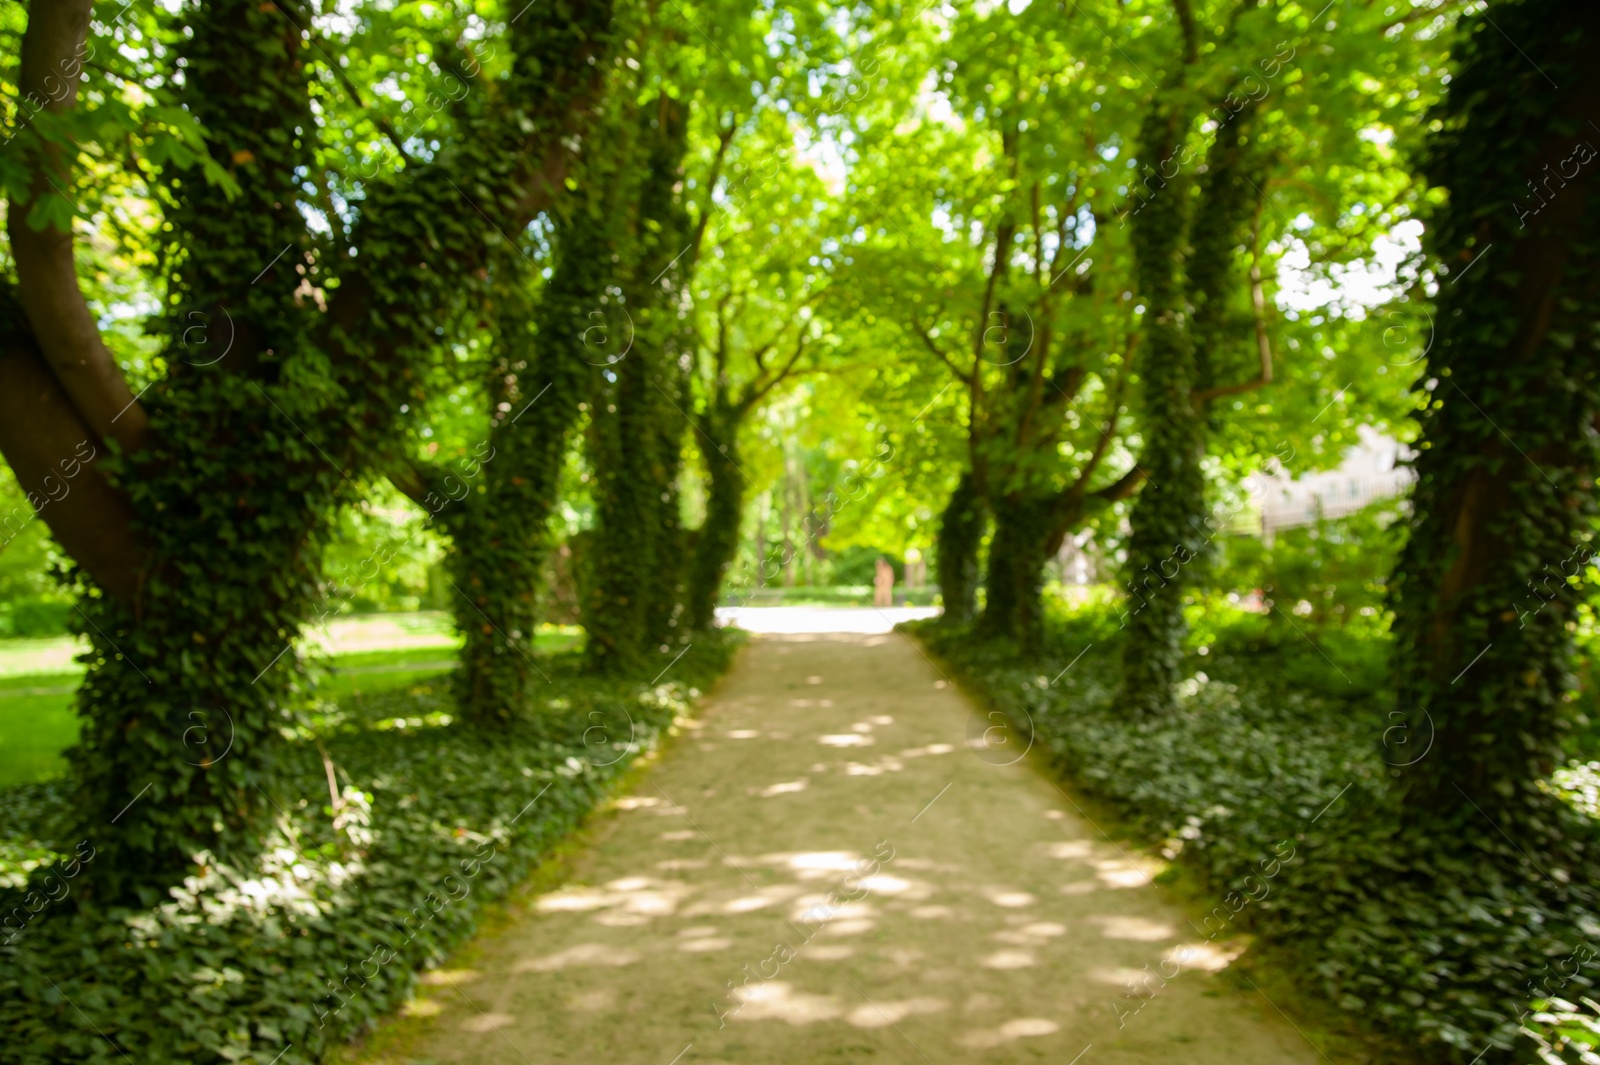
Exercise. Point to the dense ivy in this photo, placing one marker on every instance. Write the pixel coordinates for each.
(1163, 540)
(322, 934)
(1485, 588)
(961, 528)
(181, 712)
(271, 410)
(637, 422)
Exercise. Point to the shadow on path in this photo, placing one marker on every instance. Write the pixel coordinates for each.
(822, 870)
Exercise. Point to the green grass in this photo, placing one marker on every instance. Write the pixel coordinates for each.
(36, 725)
(38, 721)
(829, 595)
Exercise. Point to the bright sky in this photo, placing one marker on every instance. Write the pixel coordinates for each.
(1353, 288)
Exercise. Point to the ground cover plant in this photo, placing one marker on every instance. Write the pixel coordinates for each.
(394, 828)
(1280, 757)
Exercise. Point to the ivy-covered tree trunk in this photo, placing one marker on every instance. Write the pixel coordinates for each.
(961, 529)
(1013, 608)
(500, 528)
(269, 410)
(1484, 590)
(718, 539)
(1228, 197)
(1163, 538)
(181, 705)
(666, 608)
(636, 425)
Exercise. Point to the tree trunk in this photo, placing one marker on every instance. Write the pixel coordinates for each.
(961, 529)
(1500, 523)
(718, 540)
(1014, 609)
(181, 706)
(636, 426)
(1174, 435)
(500, 527)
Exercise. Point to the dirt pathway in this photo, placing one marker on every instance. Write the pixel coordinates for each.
(731, 912)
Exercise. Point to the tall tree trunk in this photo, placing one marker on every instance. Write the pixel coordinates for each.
(1500, 524)
(1174, 433)
(1014, 607)
(960, 536)
(666, 604)
(182, 706)
(500, 534)
(718, 541)
(1168, 538)
(636, 425)
(623, 552)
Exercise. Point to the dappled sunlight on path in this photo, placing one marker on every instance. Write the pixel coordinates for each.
(822, 870)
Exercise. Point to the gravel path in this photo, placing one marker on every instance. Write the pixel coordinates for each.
(824, 871)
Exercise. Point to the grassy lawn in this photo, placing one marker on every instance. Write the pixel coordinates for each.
(38, 721)
(36, 725)
(828, 595)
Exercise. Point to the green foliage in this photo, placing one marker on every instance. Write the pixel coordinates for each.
(321, 935)
(383, 556)
(1334, 572)
(288, 352)
(1485, 587)
(36, 725)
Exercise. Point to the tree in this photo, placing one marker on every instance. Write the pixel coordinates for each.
(1500, 528)
(761, 285)
(197, 540)
(636, 422)
(1034, 339)
(1219, 173)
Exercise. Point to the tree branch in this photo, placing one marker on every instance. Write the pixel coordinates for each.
(1038, 238)
(1077, 490)
(724, 138)
(411, 482)
(64, 327)
(1122, 487)
(1191, 49)
(534, 147)
(754, 394)
(1002, 252)
(54, 454)
(937, 350)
